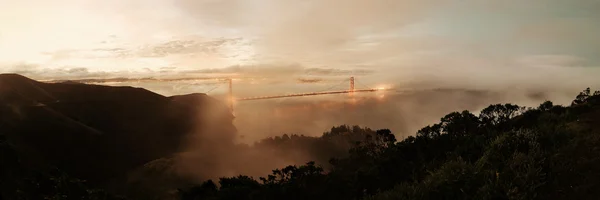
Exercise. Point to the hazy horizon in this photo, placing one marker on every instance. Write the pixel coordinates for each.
(461, 42)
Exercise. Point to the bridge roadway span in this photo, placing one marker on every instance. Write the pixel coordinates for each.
(307, 94)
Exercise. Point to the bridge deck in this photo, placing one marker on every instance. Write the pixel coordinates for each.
(306, 94)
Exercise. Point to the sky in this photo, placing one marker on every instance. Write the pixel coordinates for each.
(401, 39)
(282, 46)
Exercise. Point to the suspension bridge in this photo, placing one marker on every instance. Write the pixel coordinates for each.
(231, 99)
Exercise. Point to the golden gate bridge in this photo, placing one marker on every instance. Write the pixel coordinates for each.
(231, 98)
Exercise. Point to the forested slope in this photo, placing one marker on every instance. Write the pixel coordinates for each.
(90, 132)
(507, 152)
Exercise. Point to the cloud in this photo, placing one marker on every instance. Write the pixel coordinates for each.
(250, 79)
(336, 72)
(195, 46)
(549, 61)
(306, 80)
(306, 31)
(38, 72)
(278, 70)
(115, 52)
(264, 70)
(173, 47)
(66, 55)
(470, 44)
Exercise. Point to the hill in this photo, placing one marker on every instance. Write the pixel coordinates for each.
(98, 133)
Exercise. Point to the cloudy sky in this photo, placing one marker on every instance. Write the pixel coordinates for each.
(468, 42)
(548, 49)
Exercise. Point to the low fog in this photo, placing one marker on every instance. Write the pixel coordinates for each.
(404, 109)
(415, 98)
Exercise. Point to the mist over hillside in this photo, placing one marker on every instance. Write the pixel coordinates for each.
(133, 142)
(416, 99)
(101, 133)
(403, 112)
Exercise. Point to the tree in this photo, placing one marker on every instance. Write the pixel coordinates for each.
(238, 188)
(295, 182)
(497, 114)
(459, 123)
(208, 190)
(547, 105)
(430, 131)
(384, 137)
(582, 97)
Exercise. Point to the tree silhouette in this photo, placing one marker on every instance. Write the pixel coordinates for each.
(459, 124)
(430, 131)
(546, 106)
(582, 97)
(497, 114)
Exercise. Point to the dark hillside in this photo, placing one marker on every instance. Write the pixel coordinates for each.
(97, 133)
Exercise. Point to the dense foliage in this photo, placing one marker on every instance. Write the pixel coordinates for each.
(507, 152)
(19, 182)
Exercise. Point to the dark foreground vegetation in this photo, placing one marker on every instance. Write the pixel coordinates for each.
(56, 143)
(507, 152)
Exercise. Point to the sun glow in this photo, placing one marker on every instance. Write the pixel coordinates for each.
(382, 87)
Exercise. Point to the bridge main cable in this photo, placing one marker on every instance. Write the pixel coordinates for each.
(307, 94)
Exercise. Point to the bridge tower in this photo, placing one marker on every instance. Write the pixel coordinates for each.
(351, 86)
(230, 95)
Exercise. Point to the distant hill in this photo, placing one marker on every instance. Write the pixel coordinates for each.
(98, 133)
